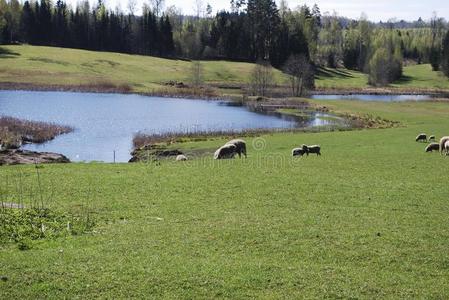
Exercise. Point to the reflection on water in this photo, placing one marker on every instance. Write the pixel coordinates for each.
(105, 123)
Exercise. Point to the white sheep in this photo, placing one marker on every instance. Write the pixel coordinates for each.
(226, 151)
(181, 157)
(312, 149)
(443, 141)
(422, 137)
(446, 147)
(298, 152)
(433, 147)
(240, 146)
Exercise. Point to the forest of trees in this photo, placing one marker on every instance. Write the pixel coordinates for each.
(253, 30)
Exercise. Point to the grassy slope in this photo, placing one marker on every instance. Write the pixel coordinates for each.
(368, 219)
(48, 65)
(43, 65)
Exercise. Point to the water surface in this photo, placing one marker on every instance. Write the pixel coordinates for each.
(105, 123)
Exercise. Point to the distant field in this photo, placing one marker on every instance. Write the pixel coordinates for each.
(50, 66)
(416, 77)
(366, 220)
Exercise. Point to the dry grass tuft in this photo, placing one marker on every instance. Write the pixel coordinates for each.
(14, 132)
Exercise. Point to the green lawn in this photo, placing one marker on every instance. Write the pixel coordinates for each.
(341, 79)
(422, 77)
(368, 219)
(44, 66)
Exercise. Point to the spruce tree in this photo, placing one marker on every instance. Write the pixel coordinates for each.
(445, 55)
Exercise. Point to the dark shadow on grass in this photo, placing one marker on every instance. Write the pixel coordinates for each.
(48, 61)
(404, 79)
(321, 72)
(6, 53)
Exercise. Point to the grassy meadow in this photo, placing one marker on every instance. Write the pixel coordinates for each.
(368, 219)
(79, 69)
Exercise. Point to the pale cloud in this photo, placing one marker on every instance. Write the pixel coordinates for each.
(384, 9)
(375, 9)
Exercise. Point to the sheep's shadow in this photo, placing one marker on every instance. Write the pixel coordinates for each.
(6, 53)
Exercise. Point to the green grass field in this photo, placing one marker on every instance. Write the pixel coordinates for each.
(368, 219)
(43, 66)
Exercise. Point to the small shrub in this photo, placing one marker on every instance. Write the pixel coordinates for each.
(24, 245)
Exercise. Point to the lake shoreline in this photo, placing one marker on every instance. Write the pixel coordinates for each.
(187, 94)
(31, 87)
(26, 157)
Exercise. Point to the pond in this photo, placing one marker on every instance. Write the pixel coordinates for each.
(366, 97)
(105, 123)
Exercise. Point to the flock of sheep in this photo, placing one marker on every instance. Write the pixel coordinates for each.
(238, 146)
(442, 146)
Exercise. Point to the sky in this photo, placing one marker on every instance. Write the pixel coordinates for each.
(376, 10)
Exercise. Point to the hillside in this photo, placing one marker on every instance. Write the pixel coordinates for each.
(70, 67)
(50, 67)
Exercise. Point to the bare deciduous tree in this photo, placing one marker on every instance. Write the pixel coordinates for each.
(196, 74)
(199, 8)
(262, 79)
(300, 74)
(158, 6)
(132, 4)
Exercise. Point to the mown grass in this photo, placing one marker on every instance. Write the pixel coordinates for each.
(368, 219)
(56, 68)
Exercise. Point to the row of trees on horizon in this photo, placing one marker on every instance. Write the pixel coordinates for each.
(253, 30)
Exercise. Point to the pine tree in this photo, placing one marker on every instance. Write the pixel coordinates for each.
(264, 23)
(44, 28)
(59, 24)
(445, 55)
(28, 23)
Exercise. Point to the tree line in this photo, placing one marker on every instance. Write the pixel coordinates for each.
(253, 30)
(85, 27)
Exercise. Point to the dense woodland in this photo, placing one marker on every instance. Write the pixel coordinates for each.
(252, 30)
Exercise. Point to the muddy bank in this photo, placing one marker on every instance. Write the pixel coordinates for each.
(82, 88)
(17, 157)
(166, 90)
(152, 152)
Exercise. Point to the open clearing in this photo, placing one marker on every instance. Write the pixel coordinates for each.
(367, 219)
(53, 67)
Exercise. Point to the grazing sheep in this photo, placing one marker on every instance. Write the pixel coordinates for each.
(240, 146)
(433, 147)
(312, 149)
(298, 152)
(181, 157)
(443, 141)
(226, 151)
(446, 147)
(422, 137)
(431, 138)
